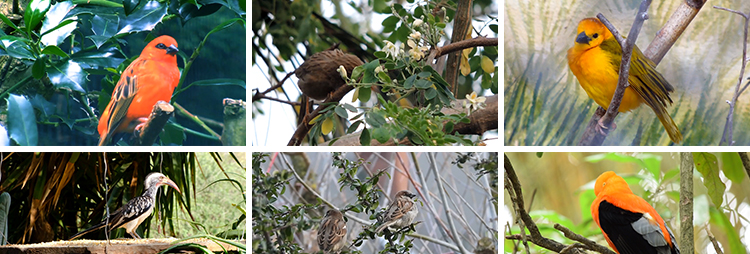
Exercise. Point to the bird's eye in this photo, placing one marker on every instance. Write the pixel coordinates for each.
(595, 36)
(161, 46)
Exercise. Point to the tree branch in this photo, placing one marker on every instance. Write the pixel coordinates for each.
(592, 136)
(234, 132)
(686, 203)
(480, 121)
(470, 43)
(461, 27)
(305, 125)
(745, 162)
(443, 194)
(513, 186)
(726, 136)
(156, 121)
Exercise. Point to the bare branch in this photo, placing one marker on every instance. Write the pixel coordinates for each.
(156, 121)
(726, 136)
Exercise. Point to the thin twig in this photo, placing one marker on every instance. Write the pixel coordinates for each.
(745, 162)
(589, 244)
(605, 122)
(711, 237)
(726, 136)
(513, 186)
(441, 189)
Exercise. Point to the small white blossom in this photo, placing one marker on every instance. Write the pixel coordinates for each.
(379, 69)
(390, 49)
(343, 73)
(417, 22)
(474, 103)
(416, 35)
(416, 53)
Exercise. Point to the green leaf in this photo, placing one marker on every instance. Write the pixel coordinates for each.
(341, 112)
(17, 47)
(364, 94)
(22, 121)
(98, 59)
(35, 13)
(172, 135)
(381, 135)
(720, 219)
(57, 24)
(67, 74)
(383, 76)
(423, 84)
(370, 71)
(410, 82)
(352, 128)
(430, 93)
(357, 72)
(731, 164)
(54, 50)
(104, 27)
(10, 23)
(143, 19)
(39, 68)
(129, 5)
(364, 137)
(189, 11)
(708, 166)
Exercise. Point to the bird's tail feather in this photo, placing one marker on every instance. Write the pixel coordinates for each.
(95, 227)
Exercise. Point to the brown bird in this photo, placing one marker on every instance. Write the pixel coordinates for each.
(332, 232)
(400, 213)
(318, 75)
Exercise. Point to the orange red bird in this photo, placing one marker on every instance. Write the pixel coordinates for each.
(150, 78)
(629, 223)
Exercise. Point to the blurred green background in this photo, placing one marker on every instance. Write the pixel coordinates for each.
(545, 105)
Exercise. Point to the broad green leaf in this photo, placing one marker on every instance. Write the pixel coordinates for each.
(39, 68)
(22, 121)
(34, 13)
(104, 26)
(708, 166)
(364, 94)
(17, 47)
(189, 11)
(129, 5)
(67, 74)
(54, 50)
(732, 166)
(143, 19)
(364, 137)
(98, 59)
(57, 25)
(720, 219)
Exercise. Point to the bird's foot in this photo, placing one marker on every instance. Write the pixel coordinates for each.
(602, 129)
(141, 124)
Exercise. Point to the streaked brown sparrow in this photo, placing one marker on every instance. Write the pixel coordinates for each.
(332, 232)
(400, 213)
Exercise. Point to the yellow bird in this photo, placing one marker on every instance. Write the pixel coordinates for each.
(595, 61)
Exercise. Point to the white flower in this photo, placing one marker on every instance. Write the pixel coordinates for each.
(390, 49)
(416, 54)
(379, 69)
(343, 73)
(474, 103)
(417, 22)
(411, 43)
(416, 35)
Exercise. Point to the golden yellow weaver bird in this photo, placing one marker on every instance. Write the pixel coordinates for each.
(595, 61)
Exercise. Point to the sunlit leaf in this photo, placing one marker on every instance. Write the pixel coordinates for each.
(143, 19)
(57, 25)
(67, 74)
(708, 166)
(22, 121)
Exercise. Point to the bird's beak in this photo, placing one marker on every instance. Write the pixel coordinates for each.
(166, 181)
(172, 50)
(583, 38)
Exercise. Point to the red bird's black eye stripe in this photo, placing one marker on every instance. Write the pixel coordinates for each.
(632, 233)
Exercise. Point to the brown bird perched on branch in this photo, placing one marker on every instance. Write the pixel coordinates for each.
(332, 232)
(400, 213)
(318, 75)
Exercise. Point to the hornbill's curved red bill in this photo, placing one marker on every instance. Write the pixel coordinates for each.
(137, 209)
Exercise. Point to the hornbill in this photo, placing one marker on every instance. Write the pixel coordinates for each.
(137, 209)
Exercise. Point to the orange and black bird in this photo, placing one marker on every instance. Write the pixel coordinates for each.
(150, 78)
(629, 223)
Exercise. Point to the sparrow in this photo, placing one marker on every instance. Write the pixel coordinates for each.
(400, 213)
(319, 76)
(332, 232)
